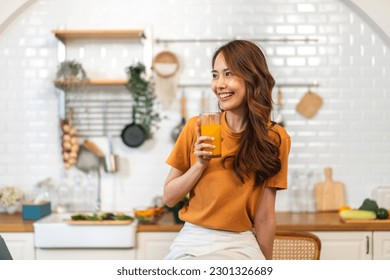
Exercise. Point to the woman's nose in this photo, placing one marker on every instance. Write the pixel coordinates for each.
(221, 82)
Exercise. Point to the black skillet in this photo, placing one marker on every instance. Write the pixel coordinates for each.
(133, 134)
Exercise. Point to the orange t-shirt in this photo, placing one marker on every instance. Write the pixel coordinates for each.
(219, 200)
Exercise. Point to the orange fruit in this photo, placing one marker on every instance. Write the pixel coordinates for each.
(344, 207)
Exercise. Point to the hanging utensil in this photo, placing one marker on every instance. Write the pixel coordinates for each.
(133, 135)
(87, 160)
(92, 147)
(203, 103)
(177, 129)
(279, 119)
(111, 161)
(166, 66)
(309, 105)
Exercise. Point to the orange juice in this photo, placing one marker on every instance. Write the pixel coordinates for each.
(213, 130)
(211, 127)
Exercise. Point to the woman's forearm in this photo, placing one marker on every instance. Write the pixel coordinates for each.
(179, 184)
(265, 237)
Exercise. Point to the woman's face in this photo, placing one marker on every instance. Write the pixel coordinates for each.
(228, 87)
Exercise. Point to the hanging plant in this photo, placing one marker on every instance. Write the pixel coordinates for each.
(70, 75)
(144, 99)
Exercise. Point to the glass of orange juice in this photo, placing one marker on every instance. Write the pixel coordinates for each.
(211, 126)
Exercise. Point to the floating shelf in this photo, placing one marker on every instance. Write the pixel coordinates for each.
(64, 35)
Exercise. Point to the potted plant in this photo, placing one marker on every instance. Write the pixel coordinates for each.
(175, 209)
(144, 99)
(11, 198)
(70, 74)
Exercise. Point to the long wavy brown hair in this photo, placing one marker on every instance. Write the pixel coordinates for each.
(257, 153)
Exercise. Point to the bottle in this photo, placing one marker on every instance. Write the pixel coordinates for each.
(294, 197)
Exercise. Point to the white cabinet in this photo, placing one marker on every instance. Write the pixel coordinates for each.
(381, 245)
(20, 244)
(154, 245)
(85, 254)
(346, 245)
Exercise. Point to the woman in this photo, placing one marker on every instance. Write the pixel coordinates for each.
(231, 209)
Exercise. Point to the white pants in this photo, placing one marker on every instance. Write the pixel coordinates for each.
(195, 242)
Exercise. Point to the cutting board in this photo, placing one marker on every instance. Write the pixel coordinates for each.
(309, 104)
(329, 194)
(377, 221)
(103, 222)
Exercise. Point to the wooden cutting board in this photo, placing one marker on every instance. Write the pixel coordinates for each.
(309, 104)
(103, 222)
(329, 194)
(354, 221)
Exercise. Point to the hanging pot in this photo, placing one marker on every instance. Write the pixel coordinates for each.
(133, 135)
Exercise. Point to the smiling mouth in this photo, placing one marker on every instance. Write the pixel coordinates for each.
(225, 95)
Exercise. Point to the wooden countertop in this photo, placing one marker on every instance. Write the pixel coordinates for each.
(327, 221)
(15, 223)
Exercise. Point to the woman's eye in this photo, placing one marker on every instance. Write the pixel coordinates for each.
(214, 76)
(228, 74)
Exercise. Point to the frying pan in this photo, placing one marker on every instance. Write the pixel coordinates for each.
(177, 129)
(133, 134)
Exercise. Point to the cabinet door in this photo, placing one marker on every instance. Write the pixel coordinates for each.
(381, 245)
(84, 254)
(20, 245)
(154, 245)
(345, 245)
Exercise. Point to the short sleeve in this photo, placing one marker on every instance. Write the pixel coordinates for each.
(180, 156)
(280, 179)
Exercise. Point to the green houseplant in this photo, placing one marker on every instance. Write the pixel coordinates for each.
(70, 75)
(144, 99)
(175, 209)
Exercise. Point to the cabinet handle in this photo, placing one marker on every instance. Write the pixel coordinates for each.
(367, 245)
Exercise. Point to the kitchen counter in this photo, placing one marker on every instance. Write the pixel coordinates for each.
(15, 223)
(326, 221)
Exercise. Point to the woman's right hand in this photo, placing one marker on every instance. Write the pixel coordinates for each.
(202, 149)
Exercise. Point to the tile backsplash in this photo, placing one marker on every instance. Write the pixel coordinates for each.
(345, 56)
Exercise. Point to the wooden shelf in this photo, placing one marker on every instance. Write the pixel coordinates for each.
(93, 82)
(64, 35)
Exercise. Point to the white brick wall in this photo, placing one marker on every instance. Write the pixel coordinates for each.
(350, 61)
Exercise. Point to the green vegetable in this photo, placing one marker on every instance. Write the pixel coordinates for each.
(106, 216)
(122, 217)
(93, 218)
(78, 217)
(382, 213)
(358, 214)
(369, 205)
